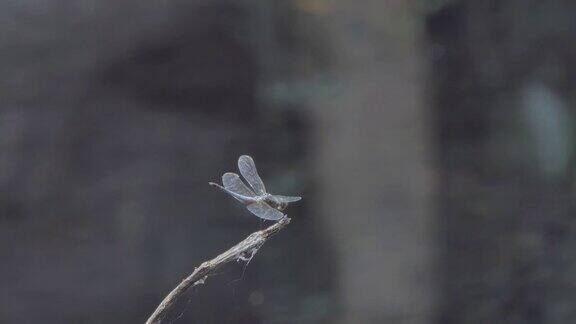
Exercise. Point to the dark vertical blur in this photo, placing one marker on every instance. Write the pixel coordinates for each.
(505, 79)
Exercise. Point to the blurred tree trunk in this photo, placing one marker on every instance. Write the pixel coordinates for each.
(505, 77)
(373, 164)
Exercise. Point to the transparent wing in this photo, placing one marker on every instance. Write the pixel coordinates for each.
(248, 170)
(232, 182)
(285, 199)
(263, 210)
(239, 197)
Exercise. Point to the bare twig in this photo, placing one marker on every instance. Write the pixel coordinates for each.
(247, 247)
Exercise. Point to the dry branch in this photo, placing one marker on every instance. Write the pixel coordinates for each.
(240, 251)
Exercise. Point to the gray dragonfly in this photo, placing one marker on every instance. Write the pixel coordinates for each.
(255, 197)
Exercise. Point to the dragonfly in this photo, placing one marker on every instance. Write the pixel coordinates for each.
(254, 197)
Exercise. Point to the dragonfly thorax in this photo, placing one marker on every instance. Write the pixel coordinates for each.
(275, 203)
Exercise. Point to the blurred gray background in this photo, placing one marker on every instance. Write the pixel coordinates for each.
(432, 141)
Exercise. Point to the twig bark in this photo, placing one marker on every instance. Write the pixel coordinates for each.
(248, 246)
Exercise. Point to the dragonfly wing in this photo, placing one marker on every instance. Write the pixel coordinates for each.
(263, 210)
(248, 170)
(285, 199)
(232, 182)
(241, 198)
